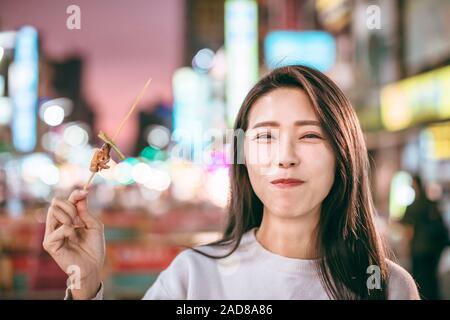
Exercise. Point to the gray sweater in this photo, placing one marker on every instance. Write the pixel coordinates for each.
(252, 272)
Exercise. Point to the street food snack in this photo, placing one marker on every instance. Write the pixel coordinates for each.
(102, 156)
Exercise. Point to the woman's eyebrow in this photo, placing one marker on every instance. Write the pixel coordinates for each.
(297, 123)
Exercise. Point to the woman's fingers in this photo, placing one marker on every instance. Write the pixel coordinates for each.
(55, 217)
(55, 240)
(78, 199)
(70, 209)
(78, 195)
(66, 206)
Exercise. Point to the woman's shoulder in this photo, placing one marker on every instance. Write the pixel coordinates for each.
(223, 248)
(200, 253)
(188, 266)
(401, 285)
(173, 282)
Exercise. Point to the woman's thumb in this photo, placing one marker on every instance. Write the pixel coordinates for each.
(78, 195)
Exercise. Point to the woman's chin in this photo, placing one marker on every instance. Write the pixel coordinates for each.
(286, 210)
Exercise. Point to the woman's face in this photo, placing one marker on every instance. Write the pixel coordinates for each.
(290, 162)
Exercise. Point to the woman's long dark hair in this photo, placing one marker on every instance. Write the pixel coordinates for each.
(348, 242)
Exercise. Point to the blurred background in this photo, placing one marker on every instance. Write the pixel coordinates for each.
(69, 69)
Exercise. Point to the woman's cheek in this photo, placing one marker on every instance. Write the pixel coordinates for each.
(260, 153)
(261, 158)
(324, 168)
(256, 180)
(319, 156)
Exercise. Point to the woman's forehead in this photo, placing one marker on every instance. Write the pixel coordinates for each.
(284, 106)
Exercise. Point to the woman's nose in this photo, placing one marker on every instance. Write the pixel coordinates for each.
(287, 156)
(287, 163)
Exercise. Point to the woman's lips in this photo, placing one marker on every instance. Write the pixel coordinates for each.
(287, 183)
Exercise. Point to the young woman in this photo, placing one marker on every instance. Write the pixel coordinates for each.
(301, 217)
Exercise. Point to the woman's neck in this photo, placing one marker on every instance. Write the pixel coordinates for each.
(290, 237)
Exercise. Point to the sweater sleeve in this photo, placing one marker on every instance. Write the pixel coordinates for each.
(401, 285)
(98, 296)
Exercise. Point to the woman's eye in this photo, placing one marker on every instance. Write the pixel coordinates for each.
(311, 136)
(264, 137)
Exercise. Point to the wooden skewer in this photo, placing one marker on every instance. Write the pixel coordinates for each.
(138, 98)
(88, 183)
(106, 139)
